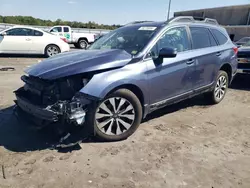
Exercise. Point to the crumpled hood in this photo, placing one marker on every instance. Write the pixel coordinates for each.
(72, 63)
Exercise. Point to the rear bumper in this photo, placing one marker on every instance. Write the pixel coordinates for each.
(243, 68)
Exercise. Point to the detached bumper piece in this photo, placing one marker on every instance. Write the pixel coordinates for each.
(36, 111)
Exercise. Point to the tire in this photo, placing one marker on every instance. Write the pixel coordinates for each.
(82, 44)
(221, 85)
(52, 50)
(131, 119)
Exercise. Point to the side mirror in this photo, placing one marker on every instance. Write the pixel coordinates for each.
(168, 53)
(3, 34)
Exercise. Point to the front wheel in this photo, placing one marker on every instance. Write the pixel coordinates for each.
(220, 88)
(117, 116)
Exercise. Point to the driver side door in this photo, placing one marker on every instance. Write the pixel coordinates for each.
(171, 78)
(16, 40)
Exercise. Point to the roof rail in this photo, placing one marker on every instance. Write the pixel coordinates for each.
(193, 19)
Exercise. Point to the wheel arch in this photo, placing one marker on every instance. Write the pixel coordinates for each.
(133, 88)
(228, 69)
(83, 38)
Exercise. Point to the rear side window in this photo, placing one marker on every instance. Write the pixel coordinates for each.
(202, 38)
(37, 33)
(66, 29)
(222, 39)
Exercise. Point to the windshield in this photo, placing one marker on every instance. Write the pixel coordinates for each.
(131, 39)
(244, 40)
(246, 44)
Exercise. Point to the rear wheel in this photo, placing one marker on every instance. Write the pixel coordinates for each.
(220, 88)
(116, 117)
(82, 44)
(52, 50)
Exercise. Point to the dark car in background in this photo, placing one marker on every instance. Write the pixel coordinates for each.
(244, 58)
(129, 73)
(242, 41)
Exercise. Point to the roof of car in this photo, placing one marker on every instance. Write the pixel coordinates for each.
(27, 27)
(146, 23)
(168, 23)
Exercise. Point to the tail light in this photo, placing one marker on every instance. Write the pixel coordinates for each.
(235, 50)
(64, 39)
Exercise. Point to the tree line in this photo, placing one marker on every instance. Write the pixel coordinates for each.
(29, 20)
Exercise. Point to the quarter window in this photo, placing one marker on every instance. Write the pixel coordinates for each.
(37, 33)
(212, 40)
(222, 39)
(174, 38)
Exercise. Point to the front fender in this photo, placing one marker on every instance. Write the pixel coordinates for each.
(101, 84)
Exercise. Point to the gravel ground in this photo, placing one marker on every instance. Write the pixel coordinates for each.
(187, 145)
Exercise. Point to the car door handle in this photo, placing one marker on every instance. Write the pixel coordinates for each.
(218, 53)
(190, 62)
(28, 39)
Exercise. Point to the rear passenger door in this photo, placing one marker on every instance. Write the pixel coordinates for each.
(39, 42)
(172, 78)
(205, 48)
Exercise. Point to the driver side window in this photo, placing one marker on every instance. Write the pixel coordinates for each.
(56, 29)
(19, 32)
(173, 38)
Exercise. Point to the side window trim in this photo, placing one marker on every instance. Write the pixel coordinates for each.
(152, 44)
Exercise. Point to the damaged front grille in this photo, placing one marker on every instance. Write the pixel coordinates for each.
(45, 92)
(38, 91)
(60, 98)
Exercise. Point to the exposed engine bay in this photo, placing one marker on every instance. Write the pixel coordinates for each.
(54, 101)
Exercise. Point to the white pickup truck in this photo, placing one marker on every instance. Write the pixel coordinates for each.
(80, 40)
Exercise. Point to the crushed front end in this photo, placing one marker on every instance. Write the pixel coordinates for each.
(49, 101)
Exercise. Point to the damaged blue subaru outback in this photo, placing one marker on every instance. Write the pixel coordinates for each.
(129, 73)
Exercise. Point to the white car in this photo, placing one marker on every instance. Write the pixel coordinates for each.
(28, 40)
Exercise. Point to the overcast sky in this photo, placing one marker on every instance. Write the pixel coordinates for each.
(105, 11)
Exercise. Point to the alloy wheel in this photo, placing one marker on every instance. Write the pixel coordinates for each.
(115, 116)
(220, 88)
(52, 50)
